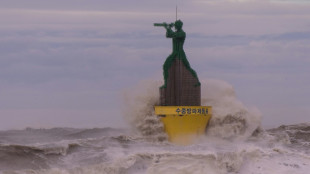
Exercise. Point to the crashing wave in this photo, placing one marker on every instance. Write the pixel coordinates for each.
(230, 119)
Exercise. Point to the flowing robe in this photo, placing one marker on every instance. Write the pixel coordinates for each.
(178, 39)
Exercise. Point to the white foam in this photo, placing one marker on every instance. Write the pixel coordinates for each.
(216, 157)
(231, 118)
(227, 148)
(138, 109)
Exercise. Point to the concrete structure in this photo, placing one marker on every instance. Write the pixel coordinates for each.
(182, 87)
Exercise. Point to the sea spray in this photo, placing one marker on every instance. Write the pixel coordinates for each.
(109, 151)
(138, 109)
(230, 119)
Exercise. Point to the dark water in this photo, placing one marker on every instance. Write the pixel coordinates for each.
(58, 147)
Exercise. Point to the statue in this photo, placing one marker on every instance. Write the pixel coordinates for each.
(178, 39)
(179, 106)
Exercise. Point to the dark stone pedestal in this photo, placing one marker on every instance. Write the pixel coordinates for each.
(182, 89)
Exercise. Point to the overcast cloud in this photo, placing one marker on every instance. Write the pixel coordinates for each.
(65, 63)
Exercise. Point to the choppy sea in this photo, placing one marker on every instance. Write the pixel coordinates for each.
(234, 143)
(283, 150)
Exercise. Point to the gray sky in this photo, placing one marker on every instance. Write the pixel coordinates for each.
(66, 63)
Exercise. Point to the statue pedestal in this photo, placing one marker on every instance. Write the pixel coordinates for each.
(182, 87)
(180, 111)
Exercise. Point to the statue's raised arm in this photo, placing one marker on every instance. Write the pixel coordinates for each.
(178, 38)
(178, 34)
(164, 24)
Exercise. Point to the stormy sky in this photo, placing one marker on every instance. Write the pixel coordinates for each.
(66, 63)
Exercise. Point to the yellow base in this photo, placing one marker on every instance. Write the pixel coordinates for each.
(184, 124)
(185, 129)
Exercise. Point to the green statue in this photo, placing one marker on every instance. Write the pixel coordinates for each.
(178, 37)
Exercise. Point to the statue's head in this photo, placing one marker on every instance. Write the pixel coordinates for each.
(178, 24)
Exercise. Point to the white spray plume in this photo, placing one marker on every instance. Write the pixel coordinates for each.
(138, 109)
(230, 119)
